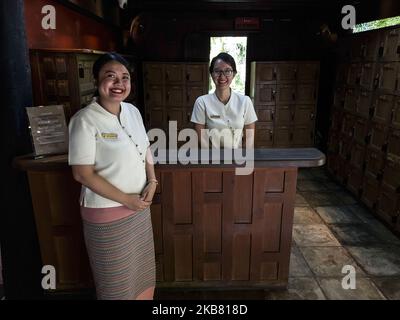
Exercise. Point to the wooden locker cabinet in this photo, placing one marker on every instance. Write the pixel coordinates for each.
(65, 77)
(284, 94)
(170, 90)
(366, 100)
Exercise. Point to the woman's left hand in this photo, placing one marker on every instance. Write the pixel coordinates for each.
(148, 192)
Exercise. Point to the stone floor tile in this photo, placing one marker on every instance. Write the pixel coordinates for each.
(355, 234)
(390, 287)
(383, 233)
(329, 261)
(345, 197)
(337, 214)
(332, 185)
(300, 201)
(313, 235)
(298, 289)
(306, 215)
(316, 199)
(298, 266)
(365, 290)
(361, 212)
(310, 185)
(378, 260)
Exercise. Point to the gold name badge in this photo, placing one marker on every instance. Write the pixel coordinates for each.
(215, 116)
(110, 136)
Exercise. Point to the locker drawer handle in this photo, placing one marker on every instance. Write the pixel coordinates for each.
(272, 115)
(187, 76)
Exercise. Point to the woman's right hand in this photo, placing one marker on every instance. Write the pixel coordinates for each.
(134, 202)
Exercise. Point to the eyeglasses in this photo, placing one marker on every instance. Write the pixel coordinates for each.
(226, 73)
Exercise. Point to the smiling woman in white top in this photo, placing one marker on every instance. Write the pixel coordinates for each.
(110, 156)
(227, 114)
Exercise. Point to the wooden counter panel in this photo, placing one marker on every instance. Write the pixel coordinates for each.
(242, 233)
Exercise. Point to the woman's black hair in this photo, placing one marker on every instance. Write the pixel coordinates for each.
(225, 57)
(105, 58)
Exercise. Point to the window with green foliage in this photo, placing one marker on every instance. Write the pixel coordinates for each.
(377, 24)
(236, 47)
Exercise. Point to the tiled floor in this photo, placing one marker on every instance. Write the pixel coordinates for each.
(331, 230)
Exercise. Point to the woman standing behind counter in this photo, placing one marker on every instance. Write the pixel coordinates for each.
(109, 155)
(224, 110)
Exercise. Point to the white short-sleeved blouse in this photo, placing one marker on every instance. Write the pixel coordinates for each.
(116, 148)
(228, 119)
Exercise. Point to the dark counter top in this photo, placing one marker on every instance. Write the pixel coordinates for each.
(276, 157)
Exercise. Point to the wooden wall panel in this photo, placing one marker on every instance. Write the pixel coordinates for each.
(242, 199)
(272, 226)
(241, 256)
(182, 181)
(183, 254)
(212, 226)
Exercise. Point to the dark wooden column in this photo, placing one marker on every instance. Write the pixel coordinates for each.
(19, 245)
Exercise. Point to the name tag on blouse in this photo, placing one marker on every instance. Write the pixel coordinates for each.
(215, 116)
(109, 136)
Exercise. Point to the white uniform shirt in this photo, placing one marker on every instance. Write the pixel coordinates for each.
(117, 150)
(238, 112)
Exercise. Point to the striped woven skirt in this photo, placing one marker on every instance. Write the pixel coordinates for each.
(121, 255)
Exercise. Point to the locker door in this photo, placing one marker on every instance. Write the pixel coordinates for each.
(374, 163)
(178, 115)
(155, 118)
(154, 96)
(282, 136)
(363, 104)
(393, 147)
(304, 115)
(265, 72)
(388, 76)
(154, 73)
(354, 73)
(265, 114)
(355, 181)
(367, 75)
(286, 94)
(306, 94)
(383, 105)
(357, 156)
(192, 93)
(264, 135)
(265, 94)
(175, 96)
(286, 72)
(284, 115)
(378, 136)
(361, 130)
(339, 96)
(174, 73)
(196, 74)
(391, 175)
(391, 40)
(350, 100)
(302, 136)
(396, 113)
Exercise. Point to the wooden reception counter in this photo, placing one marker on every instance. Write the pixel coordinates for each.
(212, 228)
